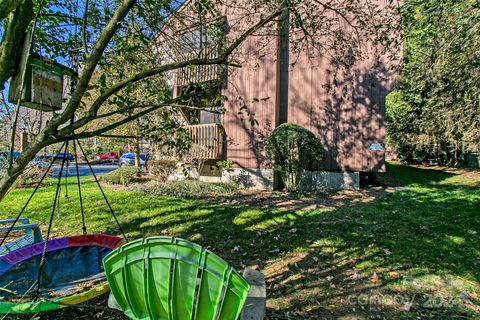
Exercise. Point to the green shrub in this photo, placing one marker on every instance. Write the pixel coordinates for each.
(91, 151)
(223, 165)
(31, 176)
(293, 150)
(188, 188)
(162, 169)
(123, 176)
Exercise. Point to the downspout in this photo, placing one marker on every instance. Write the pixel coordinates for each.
(281, 88)
(281, 102)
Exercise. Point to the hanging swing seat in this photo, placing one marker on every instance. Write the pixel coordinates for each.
(72, 273)
(31, 235)
(172, 278)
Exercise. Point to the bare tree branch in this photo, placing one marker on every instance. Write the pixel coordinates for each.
(84, 28)
(91, 63)
(337, 11)
(110, 127)
(222, 59)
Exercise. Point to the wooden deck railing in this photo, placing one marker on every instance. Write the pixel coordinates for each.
(207, 140)
(197, 74)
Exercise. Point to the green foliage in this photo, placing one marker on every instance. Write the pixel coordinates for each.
(91, 151)
(31, 176)
(223, 165)
(188, 188)
(162, 169)
(435, 112)
(293, 150)
(123, 176)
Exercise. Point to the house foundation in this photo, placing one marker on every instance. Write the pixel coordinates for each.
(262, 179)
(333, 180)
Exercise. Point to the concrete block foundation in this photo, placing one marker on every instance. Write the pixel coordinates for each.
(334, 180)
(262, 179)
(256, 179)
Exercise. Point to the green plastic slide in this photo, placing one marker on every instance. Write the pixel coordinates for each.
(174, 279)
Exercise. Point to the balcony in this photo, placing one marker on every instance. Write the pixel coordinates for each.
(197, 74)
(207, 141)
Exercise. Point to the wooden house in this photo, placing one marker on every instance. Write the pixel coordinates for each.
(339, 98)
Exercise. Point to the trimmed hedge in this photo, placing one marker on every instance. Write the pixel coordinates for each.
(123, 176)
(293, 149)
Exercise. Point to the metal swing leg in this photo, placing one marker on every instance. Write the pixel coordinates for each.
(50, 223)
(103, 193)
(84, 228)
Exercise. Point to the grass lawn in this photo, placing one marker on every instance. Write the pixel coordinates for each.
(407, 250)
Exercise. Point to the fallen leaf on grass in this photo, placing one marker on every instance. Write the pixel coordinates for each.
(356, 276)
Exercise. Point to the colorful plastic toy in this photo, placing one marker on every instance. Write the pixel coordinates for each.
(171, 278)
(73, 273)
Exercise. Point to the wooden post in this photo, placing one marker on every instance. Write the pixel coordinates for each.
(137, 153)
(23, 141)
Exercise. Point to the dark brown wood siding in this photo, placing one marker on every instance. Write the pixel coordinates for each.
(344, 107)
(254, 81)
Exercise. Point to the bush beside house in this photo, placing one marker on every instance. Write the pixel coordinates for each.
(293, 149)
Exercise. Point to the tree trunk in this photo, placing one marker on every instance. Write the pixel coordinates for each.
(18, 167)
(13, 40)
(7, 6)
(11, 47)
(137, 153)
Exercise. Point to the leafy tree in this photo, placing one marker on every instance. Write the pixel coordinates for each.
(127, 51)
(436, 111)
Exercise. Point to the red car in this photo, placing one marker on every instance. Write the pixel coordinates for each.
(106, 156)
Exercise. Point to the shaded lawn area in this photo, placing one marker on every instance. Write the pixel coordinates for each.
(408, 252)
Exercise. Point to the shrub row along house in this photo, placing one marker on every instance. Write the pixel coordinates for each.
(334, 84)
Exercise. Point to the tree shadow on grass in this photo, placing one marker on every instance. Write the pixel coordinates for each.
(366, 258)
(319, 258)
(437, 177)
